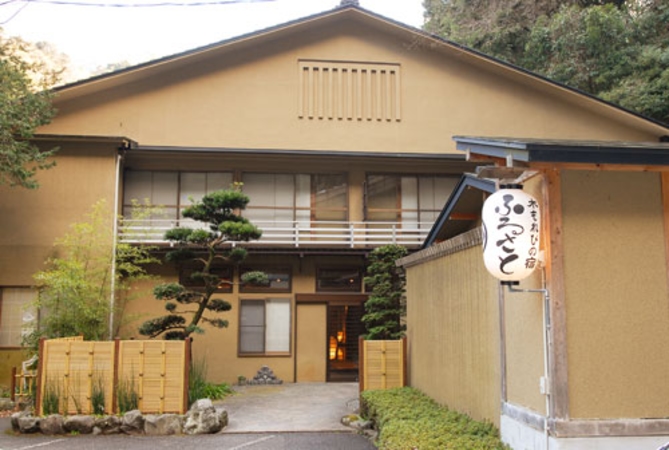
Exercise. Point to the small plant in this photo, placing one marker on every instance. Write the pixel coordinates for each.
(126, 395)
(241, 380)
(196, 381)
(199, 387)
(98, 395)
(51, 398)
(219, 391)
(5, 392)
(74, 394)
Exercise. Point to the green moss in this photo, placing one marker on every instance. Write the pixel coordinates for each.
(408, 419)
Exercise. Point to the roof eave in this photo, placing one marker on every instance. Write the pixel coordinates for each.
(467, 181)
(565, 151)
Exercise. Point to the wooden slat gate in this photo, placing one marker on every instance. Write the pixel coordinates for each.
(382, 364)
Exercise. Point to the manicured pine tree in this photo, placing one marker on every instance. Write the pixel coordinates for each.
(204, 247)
(385, 307)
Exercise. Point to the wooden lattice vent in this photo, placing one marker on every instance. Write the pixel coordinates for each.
(331, 90)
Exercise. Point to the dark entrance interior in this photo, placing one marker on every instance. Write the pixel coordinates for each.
(344, 328)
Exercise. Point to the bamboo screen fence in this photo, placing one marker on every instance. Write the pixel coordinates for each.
(382, 364)
(155, 373)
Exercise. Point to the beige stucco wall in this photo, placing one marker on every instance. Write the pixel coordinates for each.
(453, 333)
(524, 348)
(31, 220)
(219, 346)
(524, 332)
(249, 99)
(616, 294)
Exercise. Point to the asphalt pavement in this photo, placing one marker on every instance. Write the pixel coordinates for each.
(221, 441)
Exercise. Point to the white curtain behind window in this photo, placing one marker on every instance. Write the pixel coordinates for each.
(271, 197)
(277, 333)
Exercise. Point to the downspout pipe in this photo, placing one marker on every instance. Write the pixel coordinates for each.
(112, 295)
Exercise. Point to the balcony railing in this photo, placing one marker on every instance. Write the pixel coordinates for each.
(295, 234)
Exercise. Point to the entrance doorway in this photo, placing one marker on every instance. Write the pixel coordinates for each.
(344, 326)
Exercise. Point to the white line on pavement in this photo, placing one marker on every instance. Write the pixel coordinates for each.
(41, 444)
(257, 441)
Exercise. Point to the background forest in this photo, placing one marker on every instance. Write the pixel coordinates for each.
(617, 50)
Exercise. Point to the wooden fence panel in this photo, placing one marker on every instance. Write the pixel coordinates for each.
(158, 368)
(382, 364)
(73, 369)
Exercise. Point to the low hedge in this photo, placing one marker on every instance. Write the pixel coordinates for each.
(408, 419)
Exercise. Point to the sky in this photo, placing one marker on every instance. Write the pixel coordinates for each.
(94, 36)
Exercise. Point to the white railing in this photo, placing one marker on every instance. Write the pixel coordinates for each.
(295, 233)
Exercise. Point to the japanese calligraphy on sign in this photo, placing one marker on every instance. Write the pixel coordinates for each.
(511, 224)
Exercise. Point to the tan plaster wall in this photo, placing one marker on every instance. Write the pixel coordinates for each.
(616, 294)
(249, 99)
(453, 333)
(31, 220)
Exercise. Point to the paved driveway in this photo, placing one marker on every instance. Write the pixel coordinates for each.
(290, 407)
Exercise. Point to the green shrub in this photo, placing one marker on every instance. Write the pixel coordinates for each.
(408, 419)
(199, 387)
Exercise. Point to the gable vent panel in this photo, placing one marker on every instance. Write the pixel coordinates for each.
(349, 91)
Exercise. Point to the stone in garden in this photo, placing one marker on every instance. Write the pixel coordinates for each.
(14, 420)
(52, 424)
(79, 424)
(265, 376)
(107, 425)
(162, 425)
(202, 418)
(133, 422)
(27, 423)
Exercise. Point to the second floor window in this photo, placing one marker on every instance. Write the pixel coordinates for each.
(413, 200)
(300, 198)
(172, 190)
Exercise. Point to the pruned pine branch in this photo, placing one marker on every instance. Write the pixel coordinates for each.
(221, 224)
